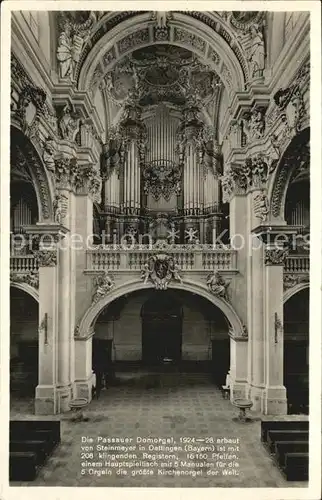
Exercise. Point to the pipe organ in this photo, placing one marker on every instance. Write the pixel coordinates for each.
(160, 166)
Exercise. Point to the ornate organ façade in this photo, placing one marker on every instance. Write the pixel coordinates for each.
(162, 161)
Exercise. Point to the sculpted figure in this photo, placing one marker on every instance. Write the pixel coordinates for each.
(257, 51)
(68, 125)
(48, 154)
(145, 273)
(217, 285)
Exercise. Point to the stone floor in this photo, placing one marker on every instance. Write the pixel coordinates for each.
(170, 405)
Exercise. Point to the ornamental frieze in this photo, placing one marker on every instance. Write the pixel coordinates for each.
(188, 38)
(31, 278)
(161, 270)
(134, 39)
(291, 280)
(275, 256)
(46, 258)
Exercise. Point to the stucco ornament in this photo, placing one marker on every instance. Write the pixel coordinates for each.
(261, 206)
(103, 284)
(49, 154)
(275, 256)
(290, 280)
(60, 207)
(254, 125)
(161, 269)
(162, 179)
(217, 285)
(30, 278)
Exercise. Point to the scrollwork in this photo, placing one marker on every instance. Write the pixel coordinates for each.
(60, 207)
(46, 258)
(31, 278)
(275, 256)
(261, 206)
(162, 179)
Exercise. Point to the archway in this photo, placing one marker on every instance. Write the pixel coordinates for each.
(23, 340)
(116, 321)
(296, 351)
(26, 166)
(294, 165)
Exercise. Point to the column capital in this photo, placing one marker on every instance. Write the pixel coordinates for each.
(47, 258)
(275, 256)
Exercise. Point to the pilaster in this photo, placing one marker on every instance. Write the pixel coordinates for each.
(49, 397)
(275, 238)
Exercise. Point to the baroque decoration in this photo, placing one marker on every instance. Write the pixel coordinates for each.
(261, 206)
(161, 269)
(254, 125)
(217, 285)
(75, 29)
(46, 258)
(162, 179)
(60, 207)
(253, 173)
(291, 280)
(31, 278)
(103, 284)
(275, 256)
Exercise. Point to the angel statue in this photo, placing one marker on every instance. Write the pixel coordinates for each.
(175, 270)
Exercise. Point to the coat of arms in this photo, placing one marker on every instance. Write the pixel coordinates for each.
(161, 269)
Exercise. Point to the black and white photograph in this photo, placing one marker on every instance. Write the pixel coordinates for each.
(157, 213)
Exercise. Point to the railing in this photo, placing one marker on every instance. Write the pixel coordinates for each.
(24, 264)
(297, 264)
(198, 257)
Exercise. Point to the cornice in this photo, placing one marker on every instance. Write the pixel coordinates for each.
(26, 48)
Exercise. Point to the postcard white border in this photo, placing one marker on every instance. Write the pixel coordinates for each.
(313, 491)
